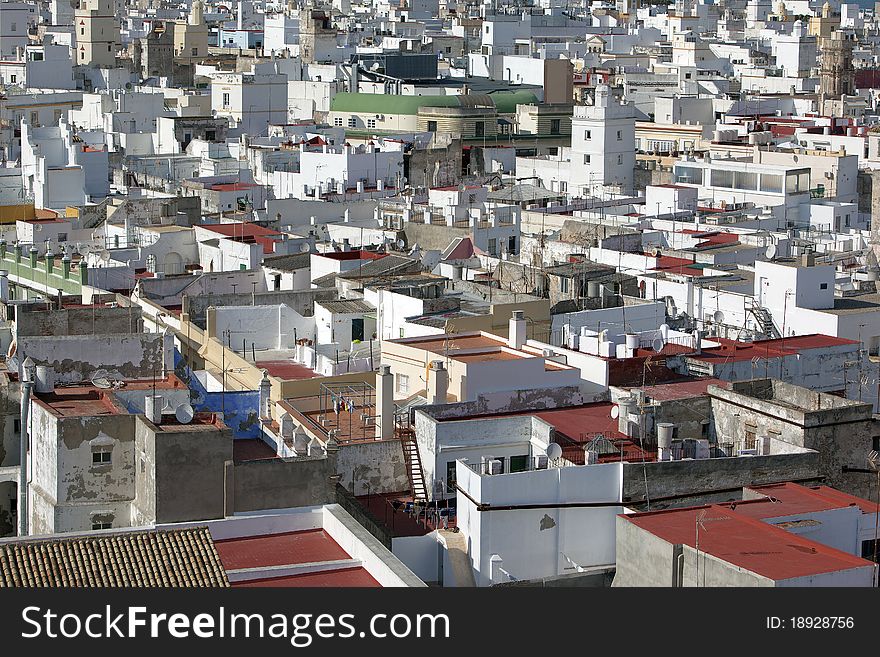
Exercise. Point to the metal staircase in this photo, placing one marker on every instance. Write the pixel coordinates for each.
(403, 430)
(764, 319)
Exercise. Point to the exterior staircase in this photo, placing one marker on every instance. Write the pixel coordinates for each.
(764, 319)
(403, 430)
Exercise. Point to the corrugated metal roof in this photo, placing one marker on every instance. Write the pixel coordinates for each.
(152, 558)
(346, 306)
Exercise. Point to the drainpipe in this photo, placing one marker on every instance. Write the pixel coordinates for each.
(27, 384)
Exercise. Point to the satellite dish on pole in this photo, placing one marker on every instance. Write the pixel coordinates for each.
(554, 451)
(657, 344)
(615, 412)
(771, 252)
(718, 317)
(184, 413)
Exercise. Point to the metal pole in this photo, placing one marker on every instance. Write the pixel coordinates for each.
(25, 439)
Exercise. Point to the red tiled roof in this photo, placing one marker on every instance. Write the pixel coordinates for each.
(287, 370)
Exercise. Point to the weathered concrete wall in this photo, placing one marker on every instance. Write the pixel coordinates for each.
(190, 472)
(7, 508)
(372, 467)
(276, 483)
(76, 321)
(646, 560)
(680, 483)
(76, 358)
(841, 431)
(302, 301)
(687, 415)
(10, 411)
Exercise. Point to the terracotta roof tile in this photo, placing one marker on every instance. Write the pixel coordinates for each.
(150, 558)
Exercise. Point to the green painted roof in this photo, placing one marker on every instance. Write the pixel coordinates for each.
(505, 102)
(382, 104)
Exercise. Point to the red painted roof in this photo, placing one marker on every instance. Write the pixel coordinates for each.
(746, 542)
(287, 370)
(733, 350)
(789, 499)
(346, 577)
(233, 187)
(682, 389)
(247, 232)
(352, 255)
(677, 266)
(291, 548)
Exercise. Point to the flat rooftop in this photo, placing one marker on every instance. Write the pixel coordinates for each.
(746, 542)
(289, 548)
(341, 578)
(89, 400)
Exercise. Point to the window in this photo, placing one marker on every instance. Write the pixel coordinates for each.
(225, 100)
(210, 135)
(450, 476)
(352, 122)
(479, 129)
(62, 237)
(563, 186)
(519, 463)
(432, 126)
(13, 78)
(493, 246)
(687, 76)
(846, 221)
(563, 285)
(102, 525)
(195, 51)
(371, 123)
(555, 125)
(619, 135)
(337, 121)
(771, 182)
(14, 27)
(402, 384)
(620, 159)
(587, 159)
(721, 178)
(101, 457)
(82, 31)
(588, 134)
(16, 425)
(109, 47)
(823, 286)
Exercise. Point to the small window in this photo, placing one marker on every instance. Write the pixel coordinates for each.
(101, 457)
(14, 27)
(687, 76)
(402, 384)
(432, 126)
(588, 134)
(225, 100)
(337, 121)
(210, 135)
(371, 123)
(555, 126)
(13, 78)
(450, 476)
(62, 237)
(82, 31)
(102, 525)
(823, 286)
(586, 159)
(620, 159)
(479, 129)
(619, 135)
(195, 51)
(352, 122)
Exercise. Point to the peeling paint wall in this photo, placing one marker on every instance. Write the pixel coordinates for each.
(373, 467)
(30, 321)
(77, 358)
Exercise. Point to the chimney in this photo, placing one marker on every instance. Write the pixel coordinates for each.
(438, 383)
(265, 390)
(384, 403)
(153, 408)
(516, 336)
(45, 379)
(808, 259)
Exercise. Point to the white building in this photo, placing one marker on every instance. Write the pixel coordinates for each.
(602, 146)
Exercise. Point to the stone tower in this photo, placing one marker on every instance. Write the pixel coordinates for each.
(836, 73)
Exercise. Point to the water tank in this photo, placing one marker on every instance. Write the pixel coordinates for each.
(664, 435)
(591, 457)
(632, 341)
(593, 289)
(153, 408)
(45, 379)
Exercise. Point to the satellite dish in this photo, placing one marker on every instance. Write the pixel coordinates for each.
(184, 413)
(101, 382)
(615, 412)
(306, 247)
(657, 344)
(771, 252)
(718, 317)
(105, 255)
(656, 252)
(554, 451)
(401, 243)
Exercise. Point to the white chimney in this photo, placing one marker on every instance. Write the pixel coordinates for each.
(265, 390)
(664, 441)
(45, 379)
(153, 408)
(438, 383)
(384, 403)
(516, 336)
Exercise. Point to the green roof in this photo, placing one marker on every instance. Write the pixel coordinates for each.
(383, 104)
(505, 102)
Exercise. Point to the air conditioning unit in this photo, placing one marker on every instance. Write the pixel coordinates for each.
(493, 467)
(541, 462)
